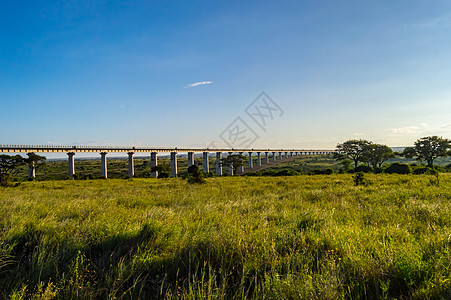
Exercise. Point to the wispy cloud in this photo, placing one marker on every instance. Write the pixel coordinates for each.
(422, 129)
(198, 83)
(444, 21)
(405, 130)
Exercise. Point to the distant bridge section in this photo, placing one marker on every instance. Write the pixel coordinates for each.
(262, 155)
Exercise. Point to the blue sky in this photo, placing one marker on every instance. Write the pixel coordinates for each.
(125, 72)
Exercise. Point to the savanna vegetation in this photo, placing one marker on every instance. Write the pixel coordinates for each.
(348, 234)
(304, 237)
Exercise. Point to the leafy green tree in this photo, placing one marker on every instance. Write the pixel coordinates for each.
(352, 149)
(8, 164)
(376, 154)
(428, 149)
(163, 170)
(195, 175)
(236, 160)
(34, 161)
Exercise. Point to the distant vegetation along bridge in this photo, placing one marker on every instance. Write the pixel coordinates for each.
(104, 150)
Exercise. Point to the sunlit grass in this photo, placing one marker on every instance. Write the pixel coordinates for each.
(234, 237)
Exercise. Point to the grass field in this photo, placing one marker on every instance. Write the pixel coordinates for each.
(306, 237)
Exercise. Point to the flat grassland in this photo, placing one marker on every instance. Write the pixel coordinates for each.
(233, 237)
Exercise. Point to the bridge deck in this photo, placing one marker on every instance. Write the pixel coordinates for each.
(99, 149)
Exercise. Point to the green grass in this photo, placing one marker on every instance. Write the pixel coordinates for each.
(306, 237)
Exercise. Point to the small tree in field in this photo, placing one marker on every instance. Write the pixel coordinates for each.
(353, 150)
(428, 149)
(7, 165)
(195, 175)
(236, 160)
(376, 154)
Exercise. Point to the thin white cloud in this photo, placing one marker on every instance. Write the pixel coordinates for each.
(423, 129)
(444, 21)
(405, 130)
(198, 83)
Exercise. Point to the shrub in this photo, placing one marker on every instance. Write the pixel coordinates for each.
(195, 175)
(363, 168)
(398, 168)
(420, 170)
(359, 178)
(329, 171)
(5, 180)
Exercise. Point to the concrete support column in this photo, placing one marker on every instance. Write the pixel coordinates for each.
(103, 165)
(274, 156)
(190, 159)
(206, 164)
(218, 163)
(259, 159)
(231, 173)
(280, 155)
(241, 169)
(131, 164)
(31, 168)
(266, 157)
(286, 154)
(153, 163)
(291, 154)
(250, 160)
(71, 165)
(173, 164)
(296, 153)
(31, 171)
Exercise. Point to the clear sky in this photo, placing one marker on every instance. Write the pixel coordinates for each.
(179, 73)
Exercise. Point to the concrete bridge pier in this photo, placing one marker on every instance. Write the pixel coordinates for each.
(103, 165)
(291, 154)
(153, 163)
(266, 157)
(218, 163)
(173, 164)
(131, 164)
(206, 164)
(274, 156)
(286, 154)
(280, 155)
(241, 168)
(31, 168)
(259, 159)
(190, 159)
(231, 169)
(71, 165)
(250, 160)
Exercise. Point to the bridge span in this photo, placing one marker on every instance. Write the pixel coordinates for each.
(263, 156)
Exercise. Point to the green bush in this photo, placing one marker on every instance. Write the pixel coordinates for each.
(364, 169)
(420, 170)
(398, 168)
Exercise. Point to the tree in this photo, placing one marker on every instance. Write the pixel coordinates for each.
(376, 154)
(33, 162)
(237, 160)
(352, 149)
(7, 165)
(428, 149)
(195, 175)
(163, 170)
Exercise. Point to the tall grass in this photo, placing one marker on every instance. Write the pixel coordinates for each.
(300, 237)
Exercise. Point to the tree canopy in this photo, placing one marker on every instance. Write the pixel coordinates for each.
(428, 149)
(237, 160)
(353, 150)
(376, 154)
(7, 164)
